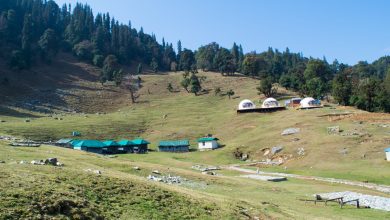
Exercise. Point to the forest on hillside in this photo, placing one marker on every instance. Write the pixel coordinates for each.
(32, 32)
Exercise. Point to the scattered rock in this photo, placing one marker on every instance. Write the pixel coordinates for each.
(205, 168)
(51, 161)
(36, 162)
(290, 131)
(209, 173)
(167, 179)
(301, 151)
(244, 157)
(333, 130)
(98, 172)
(344, 151)
(23, 162)
(156, 172)
(276, 149)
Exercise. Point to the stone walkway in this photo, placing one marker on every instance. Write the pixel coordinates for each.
(377, 187)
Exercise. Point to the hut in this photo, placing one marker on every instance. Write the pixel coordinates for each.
(270, 103)
(93, 146)
(139, 146)
(246, 104)
(174, 146)
(387, 151)
(125, 146)
(64, 143)
(207, 143)
(112, 146)
(309, 102)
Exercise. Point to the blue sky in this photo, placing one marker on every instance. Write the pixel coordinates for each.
(349, 30)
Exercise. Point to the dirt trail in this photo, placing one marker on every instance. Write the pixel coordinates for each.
(377, 187)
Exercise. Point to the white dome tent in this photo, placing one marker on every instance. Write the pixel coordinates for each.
(309, 102)
(270, 103)
(246, 104)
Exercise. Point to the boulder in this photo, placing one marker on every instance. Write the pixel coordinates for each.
(51, 161)
(276, 149)
(290, 131)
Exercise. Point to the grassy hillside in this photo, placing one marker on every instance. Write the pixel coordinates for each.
(161, 115)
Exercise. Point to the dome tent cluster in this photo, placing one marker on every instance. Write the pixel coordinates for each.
(271, 104)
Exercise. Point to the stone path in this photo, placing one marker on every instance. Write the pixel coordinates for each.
(377, 187)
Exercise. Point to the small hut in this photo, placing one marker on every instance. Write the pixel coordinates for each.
(246, 104)
(174, 146)
(387, 151)
(270, 103)
(139, 146)
(207, 143)
(64, 143)
(93, 146)
(309, 102)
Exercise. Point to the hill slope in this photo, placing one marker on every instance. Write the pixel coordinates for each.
(160, 115)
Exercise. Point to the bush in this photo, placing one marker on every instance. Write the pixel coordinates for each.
(17, 60)
(98, 60)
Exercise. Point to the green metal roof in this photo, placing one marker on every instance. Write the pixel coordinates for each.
(205, 139)
(125, 142)
(174, 143)
(110, 143)
(90, 143)
(74, 142)
(64, 141)
(139, 141)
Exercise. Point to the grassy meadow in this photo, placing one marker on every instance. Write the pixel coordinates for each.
(163, 115)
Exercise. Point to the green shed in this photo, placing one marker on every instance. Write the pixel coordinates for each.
(174, 146)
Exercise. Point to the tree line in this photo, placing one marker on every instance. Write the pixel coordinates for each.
(34, 31)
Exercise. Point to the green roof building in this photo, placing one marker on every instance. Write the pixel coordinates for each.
(174, 146)
(207, 143)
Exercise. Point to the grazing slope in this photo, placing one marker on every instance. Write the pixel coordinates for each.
(159, 114)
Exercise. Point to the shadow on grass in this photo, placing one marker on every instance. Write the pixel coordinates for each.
(6, 111)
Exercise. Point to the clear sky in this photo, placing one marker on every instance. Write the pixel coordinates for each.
(349, 30)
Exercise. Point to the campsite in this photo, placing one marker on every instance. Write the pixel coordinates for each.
(102, 118)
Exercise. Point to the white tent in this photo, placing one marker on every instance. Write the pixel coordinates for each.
(270, 103)
(309, 102)
(246, 104)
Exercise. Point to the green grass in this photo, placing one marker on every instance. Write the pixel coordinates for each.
(191, 117)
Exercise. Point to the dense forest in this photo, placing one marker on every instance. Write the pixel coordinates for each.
(32, 32)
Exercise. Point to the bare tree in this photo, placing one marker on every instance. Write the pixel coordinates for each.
(131, 83)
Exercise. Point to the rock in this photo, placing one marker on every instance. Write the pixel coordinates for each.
(2, 161)
(2, 121)
(295, 139)
(51, 161)
(165, 116)
(301, 151)
(27, 120)
(35, 162)
(277, 149)
(344, 151)
(97, 172)
(136, 168)
(244, 157)
(333, 130)
(23, 162)
(156, 172)
(209, 173)
(58, 164)
(290, 131)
